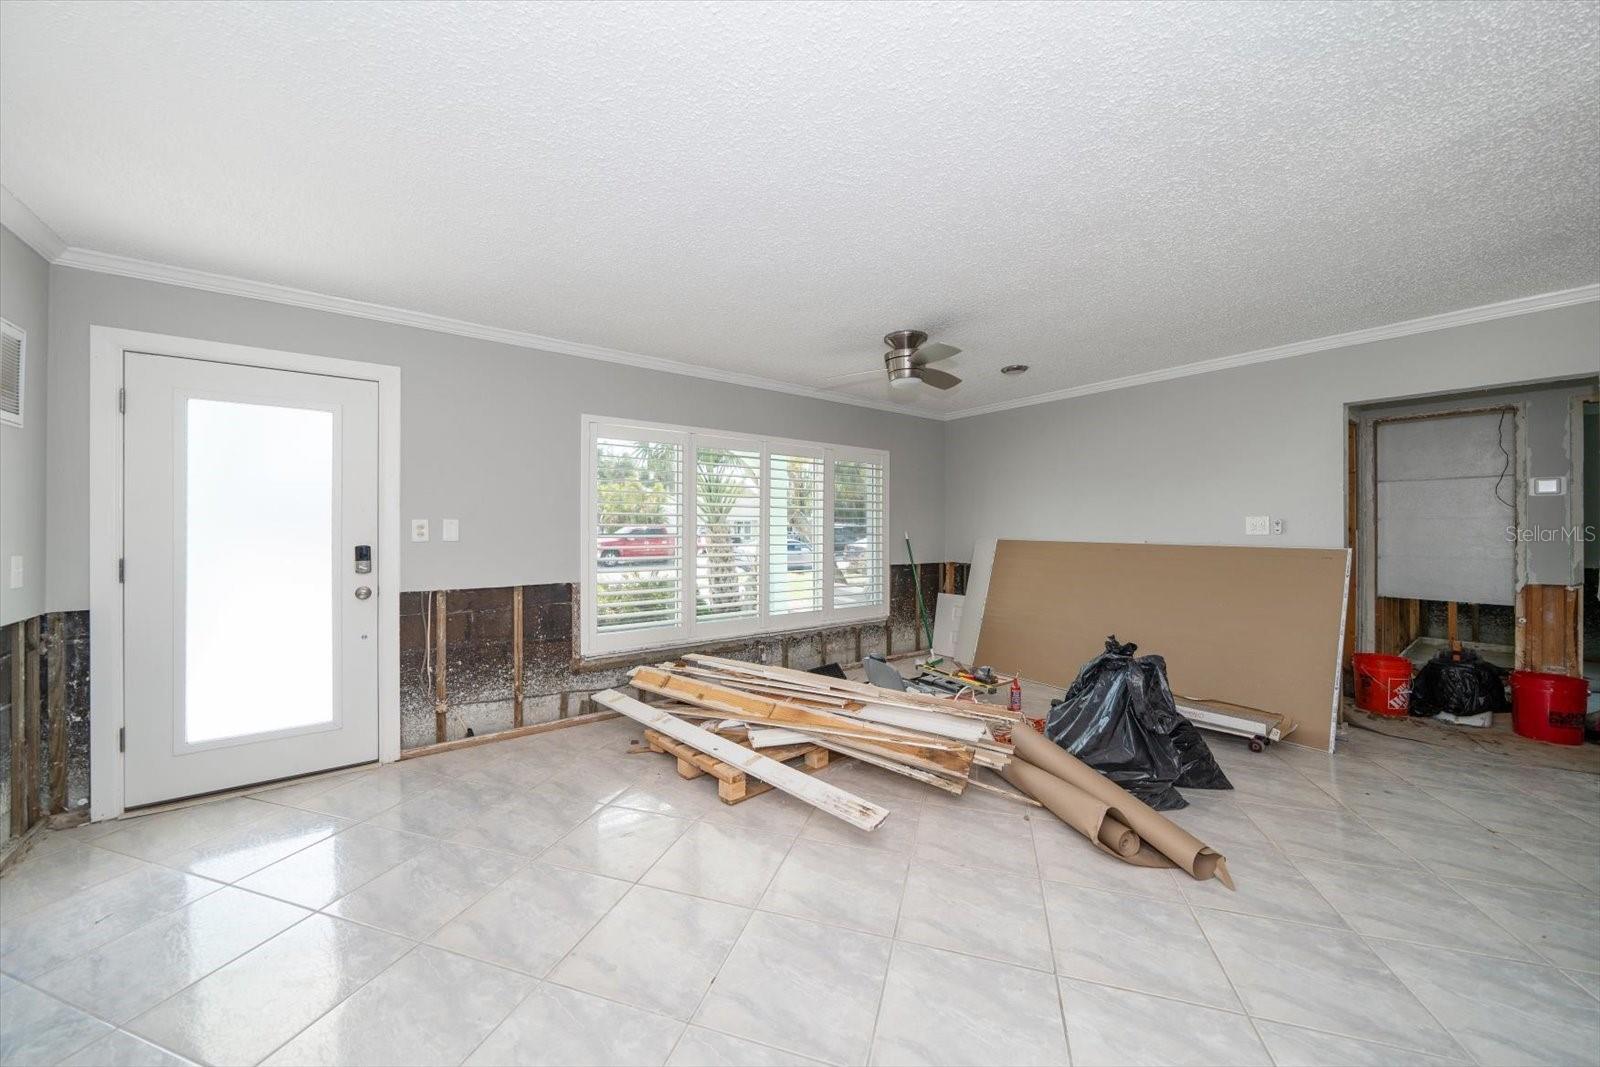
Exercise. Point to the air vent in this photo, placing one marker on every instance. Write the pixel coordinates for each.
(13, 352)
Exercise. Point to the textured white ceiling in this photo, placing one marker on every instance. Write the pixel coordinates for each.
(1098, 190)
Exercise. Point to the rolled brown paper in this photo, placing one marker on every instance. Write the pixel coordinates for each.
(1157, 832)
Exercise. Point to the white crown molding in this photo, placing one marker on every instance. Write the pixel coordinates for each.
(1466, 316)
(128, 267)
(20, 220)
(107, 263)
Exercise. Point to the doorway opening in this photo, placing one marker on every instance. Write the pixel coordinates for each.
(1467, 515)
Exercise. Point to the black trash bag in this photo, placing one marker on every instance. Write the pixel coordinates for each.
(1200, 769)
(1118, 717)
(1467, 685)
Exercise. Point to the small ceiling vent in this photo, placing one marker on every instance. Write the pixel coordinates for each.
(13, 351)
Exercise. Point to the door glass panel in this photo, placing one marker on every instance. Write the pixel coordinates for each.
(259, 606)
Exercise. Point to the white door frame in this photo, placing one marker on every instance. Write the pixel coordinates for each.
(106, 346)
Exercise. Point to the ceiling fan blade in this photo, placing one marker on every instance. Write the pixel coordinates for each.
(854, 376)
(937, 378)
(934, 353)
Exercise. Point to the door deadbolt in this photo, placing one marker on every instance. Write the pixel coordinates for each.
(363, 592)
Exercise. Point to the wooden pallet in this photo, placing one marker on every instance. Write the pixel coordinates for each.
(733, 785)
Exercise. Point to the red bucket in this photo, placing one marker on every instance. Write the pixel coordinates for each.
(1383, 683)
(1549, 707)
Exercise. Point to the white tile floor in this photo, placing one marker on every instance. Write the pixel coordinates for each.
(556, 900)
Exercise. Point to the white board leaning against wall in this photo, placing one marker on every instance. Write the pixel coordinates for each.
(1446, 493)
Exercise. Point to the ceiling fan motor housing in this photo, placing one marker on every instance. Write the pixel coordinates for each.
(905, 342)
(899, 366)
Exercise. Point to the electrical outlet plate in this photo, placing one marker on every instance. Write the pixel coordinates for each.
(1257, 525)
(419, 529)
(1277, 527)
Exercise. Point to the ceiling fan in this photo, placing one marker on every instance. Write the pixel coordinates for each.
(906, 364)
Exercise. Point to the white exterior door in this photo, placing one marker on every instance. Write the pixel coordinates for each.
(250, 595)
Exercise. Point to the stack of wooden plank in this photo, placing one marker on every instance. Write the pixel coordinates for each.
(934, 740)
(729, 711)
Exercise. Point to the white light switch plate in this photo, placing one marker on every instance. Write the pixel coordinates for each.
(419, 529)
(450, 530)
(1257, 525)
(16, 572)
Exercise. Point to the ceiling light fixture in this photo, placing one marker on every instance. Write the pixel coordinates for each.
(1014, 368)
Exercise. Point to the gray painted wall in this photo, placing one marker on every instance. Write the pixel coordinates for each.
(1184, 461)
(24, 299)
(490, 432)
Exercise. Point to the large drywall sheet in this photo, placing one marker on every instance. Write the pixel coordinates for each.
(1447, 489)
(1254, 626)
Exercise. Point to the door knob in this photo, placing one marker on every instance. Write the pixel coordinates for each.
(363, 592)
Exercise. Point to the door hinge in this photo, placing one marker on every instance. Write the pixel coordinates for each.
(122, 739)
(122, 401)
(122, 569)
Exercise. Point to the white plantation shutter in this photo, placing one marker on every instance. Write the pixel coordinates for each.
(692, 535)
(13, 346)
(859, 549)
(636, 541)
(794, 533)
(727, 497)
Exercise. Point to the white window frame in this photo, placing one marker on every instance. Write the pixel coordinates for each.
(592, 643)
(13, 330)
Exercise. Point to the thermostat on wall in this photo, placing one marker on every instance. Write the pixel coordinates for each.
(1547, 486)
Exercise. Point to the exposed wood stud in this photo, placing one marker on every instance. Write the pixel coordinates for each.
(784, 644)
(516, 656)
(440, 645)
(20, 740)
(859, 656)
(57, 708)
(1547, 638)
(32, 694)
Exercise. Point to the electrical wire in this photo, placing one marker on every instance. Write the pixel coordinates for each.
(1500, 439)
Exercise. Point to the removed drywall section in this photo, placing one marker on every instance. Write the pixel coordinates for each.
(24, 302)
(1184, 461)
(479, 665)
(490, 432)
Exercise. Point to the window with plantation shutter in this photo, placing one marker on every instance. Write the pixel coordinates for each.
(858, 536)
(636, 541)
(794, 533)
(699, 534)
(13, 353)
(727, 500)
